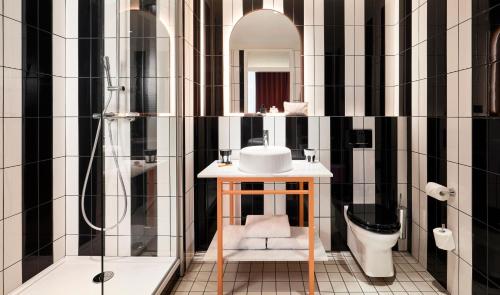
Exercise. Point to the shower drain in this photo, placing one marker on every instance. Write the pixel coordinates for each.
(103, 277)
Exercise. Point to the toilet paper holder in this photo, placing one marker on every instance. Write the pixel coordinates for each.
(451, 192)
(439, 192)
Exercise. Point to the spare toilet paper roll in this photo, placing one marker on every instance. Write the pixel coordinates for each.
(437, 191)
(444, 239)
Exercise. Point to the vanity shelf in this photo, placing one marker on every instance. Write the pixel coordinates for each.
(267, 255)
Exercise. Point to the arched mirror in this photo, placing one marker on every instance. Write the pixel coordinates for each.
(265, 63)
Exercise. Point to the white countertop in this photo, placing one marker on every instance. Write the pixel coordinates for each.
(301, 168)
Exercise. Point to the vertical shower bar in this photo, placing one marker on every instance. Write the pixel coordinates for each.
(179, 116)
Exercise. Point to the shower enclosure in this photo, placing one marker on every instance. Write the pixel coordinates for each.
(123, 225)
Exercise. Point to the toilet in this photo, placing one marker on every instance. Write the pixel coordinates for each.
(372, 231)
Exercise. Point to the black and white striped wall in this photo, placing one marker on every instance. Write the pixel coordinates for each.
(33, 139)
(348, 85)
(145, 66)
(442, 136)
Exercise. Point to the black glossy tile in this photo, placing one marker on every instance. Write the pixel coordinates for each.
(45, 14)
(493, 145)
(45, 257)
(29, 267)
(251, 131)
(45, 225)
(251, 204)
(30, 144)
(480, 193)
(296, 135)
(45, 96)
(480, 88)
(479, 283)
(334, 100)
(334, 13)
(334, 71)
(45, 52)
(30, 231)
(479, 246)
(30, 51)
(480, 143)
(493, 256)
(45, 172)
(30, 186)
(84, 57)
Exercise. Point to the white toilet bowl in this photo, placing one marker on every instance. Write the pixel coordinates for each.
(371, 234)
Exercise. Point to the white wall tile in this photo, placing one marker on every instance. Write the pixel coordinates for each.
(12, 191)
(423, 211)
(324, 133)
(313, 132)
(465, 93)
(308, 13)
(13, 9)
(13, 277)
(59, 218)
(465, 237)
(452, 179)
(12, 146)
(453, 225)
(465, 189)
(465, 278)
(452, 13)
(72, 245)
(452, 95)
(235, 133)
(452, 273)
(13, 245)
(452, 49)
(12, 37)
(13, 91)
(268, 124)
(72, 58)
(465, 45)
(465, 141)
(58, 56)
(464, 9)
(452, 146)
(72, 213)
(422, 247)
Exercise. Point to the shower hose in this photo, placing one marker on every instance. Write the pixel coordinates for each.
(89, 168)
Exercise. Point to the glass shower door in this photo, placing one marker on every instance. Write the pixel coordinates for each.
(141, 137)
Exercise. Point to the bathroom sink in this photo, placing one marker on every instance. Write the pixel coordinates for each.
(265, 159)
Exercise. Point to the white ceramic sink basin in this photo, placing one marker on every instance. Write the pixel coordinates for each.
(265, 160)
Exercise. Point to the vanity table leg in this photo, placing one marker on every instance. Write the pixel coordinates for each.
(301, 205)
(311, 235)
(220, 261)
(231, 204)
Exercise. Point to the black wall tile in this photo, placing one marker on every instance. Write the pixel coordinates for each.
(37, 126)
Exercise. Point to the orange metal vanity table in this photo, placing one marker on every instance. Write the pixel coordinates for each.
(228, 176)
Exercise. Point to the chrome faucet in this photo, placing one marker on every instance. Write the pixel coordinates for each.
(265, 138)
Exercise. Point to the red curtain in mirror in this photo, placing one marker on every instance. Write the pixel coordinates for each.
(272, 89)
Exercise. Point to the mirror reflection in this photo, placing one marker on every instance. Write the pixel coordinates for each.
(266, 64)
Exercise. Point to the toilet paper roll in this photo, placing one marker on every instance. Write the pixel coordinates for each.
(444, 239)
(437, 191)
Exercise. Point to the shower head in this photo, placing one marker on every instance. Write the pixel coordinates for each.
(106, 66)
(105, 61)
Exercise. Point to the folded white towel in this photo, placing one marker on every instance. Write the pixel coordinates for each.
(234, 239)
(298, 241)
(267, 226)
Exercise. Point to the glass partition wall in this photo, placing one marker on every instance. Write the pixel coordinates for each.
(119, 231)
(140, 173)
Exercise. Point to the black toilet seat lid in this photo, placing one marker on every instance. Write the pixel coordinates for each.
(374, 218)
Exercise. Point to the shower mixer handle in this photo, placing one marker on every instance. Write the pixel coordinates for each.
(116, 88)
(115, 116)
